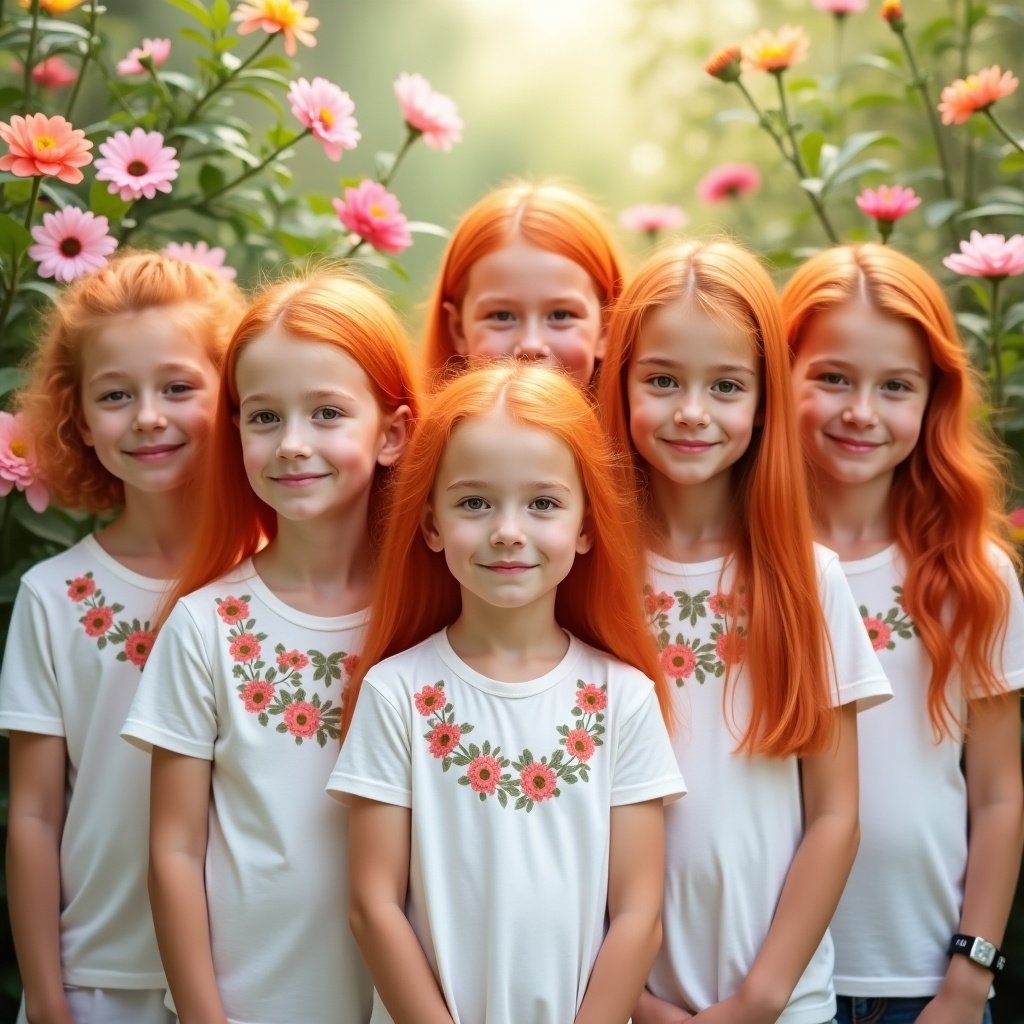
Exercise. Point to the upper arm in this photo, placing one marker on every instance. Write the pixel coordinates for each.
(179, 802)
(637, 857)
(829, 780)
(992, 751)
(38, 775)
(379, 837)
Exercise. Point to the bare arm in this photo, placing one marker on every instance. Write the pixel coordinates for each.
(636, 875)
(379, 840)
(179, 817)
(34, 826)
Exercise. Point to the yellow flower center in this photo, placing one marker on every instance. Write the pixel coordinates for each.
(281, 11)
(19, 448)
(44, 143)
(326, 116)
(377, 210)
(773, 52)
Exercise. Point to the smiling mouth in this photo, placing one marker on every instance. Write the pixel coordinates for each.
(508, 568)
(689, 447)
(298, 481)
(850, 444)
(153, 452)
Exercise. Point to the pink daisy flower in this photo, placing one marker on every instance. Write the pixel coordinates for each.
(678, 661)
(245, 647)
(232, 610)
(17, 467)
(992, 256)
(591, 698)
(44, 145)
(484, 773)
(879, 632)
(292, 661)
(137, 165)
(157, 50)
(731, 647)
(374, 214)
(444, 739)
(98, 620)
(430, 113)
(52, 73)
(285, 16)
(81, 587)
(328, 112)
(728, 181)
(257, 696)
(429, 700)
(580, 744)
(652, 217)
(302, 719)
(203, 254)
(70, 243)
(537, 781)
(656, 603)
(137, 646)
(888, 202)
(841, 7)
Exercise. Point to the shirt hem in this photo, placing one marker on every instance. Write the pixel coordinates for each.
(13, 721)
(145, 737)
(668, 789)
(809, 1014)
(85, 978)
(867, 694)
(896, 988)
(341, 786)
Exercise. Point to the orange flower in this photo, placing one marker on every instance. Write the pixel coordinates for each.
(53, 6)
(975, 92)
(44, 145)
(725, 64)
(892, 12)
(775, 51)
(287, 16)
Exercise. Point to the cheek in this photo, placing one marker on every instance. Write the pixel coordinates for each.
(812, 412)
(643, 418)
(484, 345)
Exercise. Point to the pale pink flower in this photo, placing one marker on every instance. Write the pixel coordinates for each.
(44, 145)
(775, 51)
(98, 620)
(17, 467)
(203, 254)
(484, 774)
(70, 243)
(137, 646)
(328, 112)
(431, 113)
(374, 214)
(157, 50)
(841, 7)
(879, 632)
(137, 165)
(728, 181)
(988, 256)
(651, 217)
(285, 16)
(52, 73)
(233, 609)
(967, 95)
(302, 718)
(888, 202)
(444, 739)
(580, 744)
(257, 695)
(537, 781)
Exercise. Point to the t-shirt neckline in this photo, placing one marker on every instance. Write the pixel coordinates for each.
(321, 623)
(856, 566)
(154, 584)
(666, 566)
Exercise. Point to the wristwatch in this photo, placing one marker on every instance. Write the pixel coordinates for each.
(980, 950)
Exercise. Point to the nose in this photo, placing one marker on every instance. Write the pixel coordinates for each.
(690, 410)
(531, 344)
(860, 411)
(148, 414)
(293, 443)
(507, 531)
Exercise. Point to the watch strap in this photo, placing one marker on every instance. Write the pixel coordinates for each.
(981, 951)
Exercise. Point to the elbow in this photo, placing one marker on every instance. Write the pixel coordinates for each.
(360, 922)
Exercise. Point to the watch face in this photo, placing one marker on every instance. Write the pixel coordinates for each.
(983, 952)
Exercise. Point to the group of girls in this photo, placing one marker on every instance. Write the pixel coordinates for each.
(502, 623)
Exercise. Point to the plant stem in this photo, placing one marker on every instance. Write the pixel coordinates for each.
(77, 88)
(965, 38)
(30, 55)
(37, 184)
(5, 529)
(410, 138)
(221, 82)
(165, 93)
(1001, 129)
(995, 343)
(259, 167)
(5, 309)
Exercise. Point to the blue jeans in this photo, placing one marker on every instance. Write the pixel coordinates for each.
(878, 1010)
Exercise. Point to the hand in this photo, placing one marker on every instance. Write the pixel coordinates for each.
(652, 1010)
(734, 1010)
(952, 1007)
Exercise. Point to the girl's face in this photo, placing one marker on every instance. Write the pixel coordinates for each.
(508, 511)
(312, 431)
(693, 387)
(529, 303)
(861, 382)
(149, 393)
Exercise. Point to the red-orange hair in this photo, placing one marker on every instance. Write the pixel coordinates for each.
(51, 402)
(334, 308)
(787, 636)
(599, 601)
(548, 216)
(948, 497)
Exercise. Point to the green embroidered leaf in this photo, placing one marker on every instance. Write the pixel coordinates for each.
(321, 738)
(122, 656)
(262, 718)
(562, 730)
(466, 727)
(101, 642)
(281, 727)
(502, 798)
(483, 796)
(446, 763)
(463, 780)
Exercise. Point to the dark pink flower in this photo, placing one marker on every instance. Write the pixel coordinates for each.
(81, 587)
(157, 50)
(302, 718)
(232, 610)
(257, 696)
(245, 647)
(374, 214)
(444, 739)
(678, 661)
(53, 73)
(429, 700)
(1016, 518)
(484, 773)
(292, 661)
(728, 181)
(350, 663)
(879, 632)
(660, 602)
(731, 647)
(328, 112)
(430, 113)
(137, 646)
(17, 466)
(537, 781)
(888, 202)
(841, 7)
(591, 698)
(98, 620)
(580, 744)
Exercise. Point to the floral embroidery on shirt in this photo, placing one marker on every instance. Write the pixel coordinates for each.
(530, 780)
(881, 627)
(98, 622)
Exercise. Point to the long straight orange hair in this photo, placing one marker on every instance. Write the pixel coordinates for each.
(599, 601)
(334, 308)
(546, 215)
(788, 650)
(948, 497)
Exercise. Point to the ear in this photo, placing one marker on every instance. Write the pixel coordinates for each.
(456, 328)
(397, 427)
(585, 538)
(601, 347)
(428, 527)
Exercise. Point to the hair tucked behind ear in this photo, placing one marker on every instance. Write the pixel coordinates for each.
(787, 657)
(948, 497)
(599, 601)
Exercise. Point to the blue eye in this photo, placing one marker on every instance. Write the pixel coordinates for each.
(662, 381)
(329, 413)
(473, 504)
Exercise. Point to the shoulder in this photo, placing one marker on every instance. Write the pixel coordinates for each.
(825, 560)
(626, 686)
(57, 573)
(1003, 564)
(421, 663)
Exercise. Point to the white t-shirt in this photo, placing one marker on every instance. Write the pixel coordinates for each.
(904, 896)
(510, 786)
(241, 679)
(730, 843)
(79, 636)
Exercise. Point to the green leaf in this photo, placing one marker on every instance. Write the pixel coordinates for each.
(14, 239)
(198, 37)
(105, 204)
(876, 99)
(194, 9)
(938, 213)
(975, 324)
(422, 227)
(1012, 163)
(810, 151)
(740, 114)
(992, 210)
(18, 191)
(11, 378)
(211, 179)
(54, 524)
(221, 15)
(935, 29)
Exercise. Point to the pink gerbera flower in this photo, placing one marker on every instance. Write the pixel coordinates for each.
(879, 632)
(537, 781)
(678, 661)
(70, 243)
(841, 7)
(652, 217)
(157, 50)
(44, 145)
(728, 181)
(373, 213)
(292, 661)
(203, 254)
(580, 744)
(591, 698)
(731, 647)
(257, 696)
(430, 113)
(285, 16)
(232, 610)
(721, 604)
(53, 73)
(976, 92)
(484, 773)
(81, 587)
(328, 112)
(302, 718)
(98, 620)
(137, 646)
(429, 700)
(992, 256)
(656, 603)
(137, 165)
(245, 647)
(17, 466)
(888, 202)
(444, 739)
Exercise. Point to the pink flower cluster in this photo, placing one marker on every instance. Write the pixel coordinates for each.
(430, 113)
(728, 181)
(17, 467)
(203, 254)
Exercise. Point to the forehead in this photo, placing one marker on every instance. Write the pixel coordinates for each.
(858, 333)
(682, 331)
(522, 268)
(138, 342)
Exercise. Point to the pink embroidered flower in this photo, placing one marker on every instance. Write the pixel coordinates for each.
(430, 113)
(328, 112)
(879, 632)
(137, 646)
(53, 73)
(203, 254)
(591, 698)
(350, 663)
(44, 145)
(580, 744)
(285, 16)
(302, 718)
(233, 609)
(71, 242)
(292, 661)
(245, 647)
(81, 587)
(257, 696)
(157, 50)
(484, 773)
(537, 781)
(652, 217)
(375, 215)
(17, 466)
(678, 661)
(731, 647)
(841, 7)
(98, 620)
(137, 165)
(721, 604)
(888, 202)
(656, 603)
(968, 95)
(444, 739)
(728, 181)
(992, 256)
(429, 700)
(772, 51)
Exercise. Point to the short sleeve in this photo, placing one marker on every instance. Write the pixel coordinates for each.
(1011, 666)
(29, 694)
(645, 764)
(175, 707)
(376, 758)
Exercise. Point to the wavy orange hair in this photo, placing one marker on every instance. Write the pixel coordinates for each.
(948, 498)
(334, 308)
(548, 216)
(791, 708)
(599, 601)
(51, 401)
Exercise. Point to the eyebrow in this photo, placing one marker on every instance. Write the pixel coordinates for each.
(841, 364)
(317, 394)
(185, 368)
(489, 297)
(659, 361)
(533, 485)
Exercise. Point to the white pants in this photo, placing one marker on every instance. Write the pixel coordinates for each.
(114, 1006)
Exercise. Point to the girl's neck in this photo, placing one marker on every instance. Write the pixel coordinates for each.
(853, 519)
(691, 522)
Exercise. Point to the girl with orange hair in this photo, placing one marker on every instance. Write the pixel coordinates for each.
(907, 488)
(241, 699)
(530, 272)
(507, 762)
(758, 635)
(121, 393)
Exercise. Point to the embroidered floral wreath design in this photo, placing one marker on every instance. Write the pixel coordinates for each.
(686, 656)
(98, 622)
(530, 780)
(882, 627)
(277, 690)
